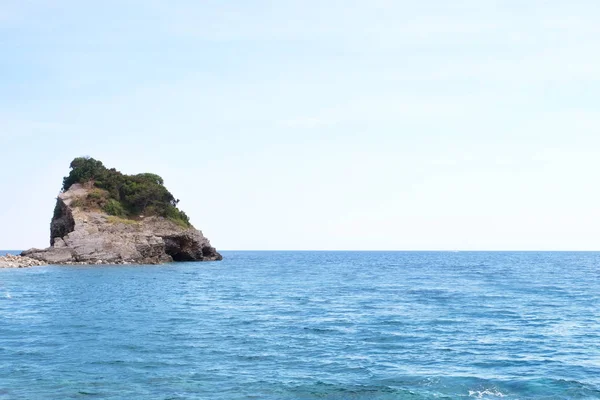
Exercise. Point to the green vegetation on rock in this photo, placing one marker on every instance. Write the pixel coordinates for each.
(125, 196)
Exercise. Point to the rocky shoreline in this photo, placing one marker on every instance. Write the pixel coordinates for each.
(12, 261)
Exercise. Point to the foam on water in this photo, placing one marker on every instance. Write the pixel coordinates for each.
(484, 394)
(307, 325)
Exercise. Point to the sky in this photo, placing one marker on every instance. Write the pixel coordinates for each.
(314, 124)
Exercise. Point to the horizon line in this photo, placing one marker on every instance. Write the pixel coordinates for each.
(394, 250)
(406, 250)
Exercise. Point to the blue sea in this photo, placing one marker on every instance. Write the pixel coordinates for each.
(307, 325)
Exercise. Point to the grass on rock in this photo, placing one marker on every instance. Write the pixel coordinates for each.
(125, 197)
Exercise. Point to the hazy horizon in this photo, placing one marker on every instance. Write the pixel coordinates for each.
(346, 125)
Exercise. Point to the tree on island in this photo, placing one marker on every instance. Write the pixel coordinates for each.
(126, 196)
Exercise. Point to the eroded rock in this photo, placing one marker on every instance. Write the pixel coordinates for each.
(92, 237)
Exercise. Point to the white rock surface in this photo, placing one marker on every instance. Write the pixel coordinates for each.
(12, 261)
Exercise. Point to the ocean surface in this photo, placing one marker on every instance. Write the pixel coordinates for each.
(306, 325)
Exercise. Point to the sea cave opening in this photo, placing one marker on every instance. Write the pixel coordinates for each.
(176, 248)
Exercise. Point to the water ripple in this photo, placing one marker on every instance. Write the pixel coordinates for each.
(306, 325)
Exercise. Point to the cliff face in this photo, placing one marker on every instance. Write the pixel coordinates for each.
(84, 236)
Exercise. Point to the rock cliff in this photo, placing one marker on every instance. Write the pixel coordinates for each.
(83, 233)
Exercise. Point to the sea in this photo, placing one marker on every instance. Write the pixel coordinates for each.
(306, 325)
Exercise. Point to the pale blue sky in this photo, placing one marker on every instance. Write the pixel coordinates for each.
(302, 124)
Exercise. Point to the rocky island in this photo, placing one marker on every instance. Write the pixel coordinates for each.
(105, 217)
